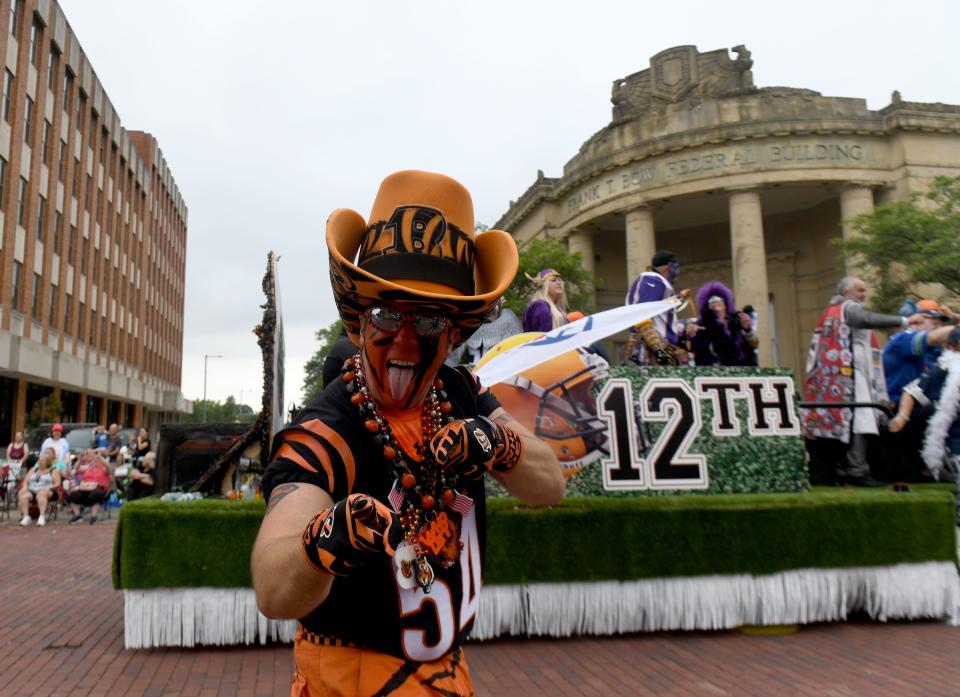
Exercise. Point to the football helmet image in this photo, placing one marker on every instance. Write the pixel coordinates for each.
(554, 401)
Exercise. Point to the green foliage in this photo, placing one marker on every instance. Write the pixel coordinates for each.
(539, 254)
(908, 242)
(180, 544)
(46, 410)
(183, 544)
(593, 539)
(221, 412)
(313, 369)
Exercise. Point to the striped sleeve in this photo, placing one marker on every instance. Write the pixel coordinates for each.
(313, 453)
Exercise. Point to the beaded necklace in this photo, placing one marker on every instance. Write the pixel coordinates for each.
(421, 511)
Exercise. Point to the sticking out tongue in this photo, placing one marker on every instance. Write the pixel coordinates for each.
(400, 378)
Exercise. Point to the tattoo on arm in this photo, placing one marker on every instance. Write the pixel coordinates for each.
(503, 419)
(279, 493)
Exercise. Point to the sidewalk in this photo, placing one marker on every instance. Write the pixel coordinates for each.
(61, 634)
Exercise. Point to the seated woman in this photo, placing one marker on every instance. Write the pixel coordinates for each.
(141, 477)
(39, 485)
(92, 487)
(721, 335)
(18, 449)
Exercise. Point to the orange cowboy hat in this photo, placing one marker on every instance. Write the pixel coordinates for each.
(418, 247)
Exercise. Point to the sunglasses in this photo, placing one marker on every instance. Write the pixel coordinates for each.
(390, 321)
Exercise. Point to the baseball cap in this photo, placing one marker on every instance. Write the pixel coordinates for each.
(931, 308)
(57, 427)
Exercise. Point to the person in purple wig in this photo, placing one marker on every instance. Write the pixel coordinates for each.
(723, 336)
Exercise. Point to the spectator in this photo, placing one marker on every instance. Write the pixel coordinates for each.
(844, 366)
(18, 449)
(909, 354)
(56, 441)
(40, 486)
(114, 444)
(722, 335)
(548, 307)
(656, 341)
(142, 445)
(141, 477)
(62, 467)
(99, 441)
(92, 488)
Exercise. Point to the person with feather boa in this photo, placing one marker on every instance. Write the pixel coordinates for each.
(721, 335)
(939, 391)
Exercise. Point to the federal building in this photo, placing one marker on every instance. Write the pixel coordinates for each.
(93, 243)
(749, 185)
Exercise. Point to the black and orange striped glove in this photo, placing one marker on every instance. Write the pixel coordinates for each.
(473, 447)
(339, 539)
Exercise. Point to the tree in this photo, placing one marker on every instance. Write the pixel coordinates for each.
(904, 243)
(218, 412)
(539, 254)
(313, 369)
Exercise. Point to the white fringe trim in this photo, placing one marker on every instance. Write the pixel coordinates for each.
(223, 616)
(904, 591)
(192, 616)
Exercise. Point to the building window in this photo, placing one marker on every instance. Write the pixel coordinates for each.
(72, 243)
(41, 211)
(67, 88)
(35, 300)
(16, 12)
(28, 121)
(52, 65)
(52, 316)
(67, 313)
(3, 180)
(57, 222)
(17, 280)
(63, 160)
(93, 128)
(81, 107)
(84, 252)
(22, 202)
(35, 31)
(81, 318)
(7, 95)
(45, 146)
(76, 177)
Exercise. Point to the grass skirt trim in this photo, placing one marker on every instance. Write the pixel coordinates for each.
(228, 616)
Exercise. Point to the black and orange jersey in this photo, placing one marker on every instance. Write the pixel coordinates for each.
(328, 446)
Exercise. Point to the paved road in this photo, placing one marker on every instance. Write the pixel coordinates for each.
(61, 633)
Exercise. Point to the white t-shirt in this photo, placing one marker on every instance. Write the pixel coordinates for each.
(60, 445)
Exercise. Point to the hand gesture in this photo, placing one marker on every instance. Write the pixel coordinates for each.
(473, 447)
(746, 321)
(356, 529)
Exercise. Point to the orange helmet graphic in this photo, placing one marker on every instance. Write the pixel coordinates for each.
(554, 401)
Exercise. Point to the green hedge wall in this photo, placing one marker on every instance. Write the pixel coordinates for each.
(207, 543)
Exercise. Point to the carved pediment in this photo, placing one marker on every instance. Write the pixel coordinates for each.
(682, 74)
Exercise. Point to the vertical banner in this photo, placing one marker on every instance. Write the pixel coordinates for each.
(278, 416)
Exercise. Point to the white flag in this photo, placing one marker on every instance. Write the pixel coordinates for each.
(583, 332)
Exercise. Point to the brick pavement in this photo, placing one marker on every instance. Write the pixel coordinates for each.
(61, 633)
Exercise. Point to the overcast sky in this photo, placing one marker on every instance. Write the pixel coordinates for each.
(272, 114)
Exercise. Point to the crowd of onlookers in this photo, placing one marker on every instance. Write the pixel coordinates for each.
(83, 478)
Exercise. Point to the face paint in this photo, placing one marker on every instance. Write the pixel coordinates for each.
(400, 366)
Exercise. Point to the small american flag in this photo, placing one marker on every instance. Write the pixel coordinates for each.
(397, 495)
(462, 503)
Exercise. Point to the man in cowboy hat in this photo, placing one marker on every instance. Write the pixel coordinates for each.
(375, 523)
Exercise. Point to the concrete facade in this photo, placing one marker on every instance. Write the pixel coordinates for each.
(93, 243)
(746, 185)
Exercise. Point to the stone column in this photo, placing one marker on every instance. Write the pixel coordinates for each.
(81, 414)
(855, 198)
(641, 241)
(749, 262)
(582, 241)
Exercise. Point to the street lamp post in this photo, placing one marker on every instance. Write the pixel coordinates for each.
(205, 357)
